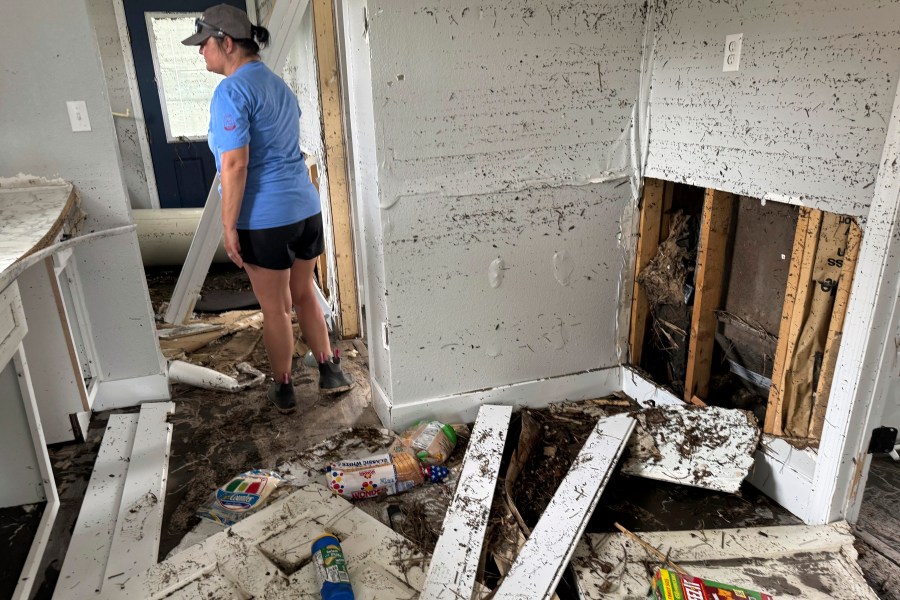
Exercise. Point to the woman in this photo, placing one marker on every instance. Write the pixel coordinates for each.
(270, 209)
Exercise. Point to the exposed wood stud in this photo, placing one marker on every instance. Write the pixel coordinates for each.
(835, 332)
(795, 299)
(336, 166)
(648, 243)
(714, 229)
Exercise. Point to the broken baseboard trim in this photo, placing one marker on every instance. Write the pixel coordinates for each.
(785, 474)
(463, 408)
(644, 391)
(125, 393)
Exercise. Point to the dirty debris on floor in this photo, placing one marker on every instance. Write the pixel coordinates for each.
(809, 562)
(388, 540)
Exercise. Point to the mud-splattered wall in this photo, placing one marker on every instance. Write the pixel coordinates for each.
(804, 119)
(502, 135)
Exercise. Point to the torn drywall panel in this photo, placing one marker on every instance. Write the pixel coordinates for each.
(812, 563)
(708, 447)
(267, 555)
(501, 132)
(805, 117)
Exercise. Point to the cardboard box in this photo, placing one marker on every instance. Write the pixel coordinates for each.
(669, 585)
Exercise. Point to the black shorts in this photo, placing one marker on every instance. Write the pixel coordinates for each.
(277, 247)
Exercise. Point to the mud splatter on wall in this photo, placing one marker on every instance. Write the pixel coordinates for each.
(804, 119)
(502, 150)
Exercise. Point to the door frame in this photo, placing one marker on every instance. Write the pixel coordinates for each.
(137, 107)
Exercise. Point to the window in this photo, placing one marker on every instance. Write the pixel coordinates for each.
(185, 86)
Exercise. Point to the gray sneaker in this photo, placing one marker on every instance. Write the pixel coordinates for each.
(282, 396)
(332, 379)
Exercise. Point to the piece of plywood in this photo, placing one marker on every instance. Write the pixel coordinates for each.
(455, 559)
(84, 566)
(540, 564)
(808, 562)
(795, 300)
(711, 255)
(336, 165)
(835, 332)
(135, 543)
(708, 447)
(647, 245)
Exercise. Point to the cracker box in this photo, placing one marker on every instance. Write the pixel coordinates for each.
(669, 585)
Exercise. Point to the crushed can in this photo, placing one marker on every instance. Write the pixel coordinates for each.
(331, 568)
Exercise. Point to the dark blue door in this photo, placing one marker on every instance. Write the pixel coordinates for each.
(184, 169)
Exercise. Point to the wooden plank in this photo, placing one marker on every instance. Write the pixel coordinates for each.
(336, 166)
(545, 555)
(88, 552)
(714, 229)
(455, 559)
(135, 543)
(648, 244)
(835, 332)
(795, 298)
(665, 220)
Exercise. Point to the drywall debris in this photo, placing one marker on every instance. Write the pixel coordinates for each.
(708, 447)
(795, 561)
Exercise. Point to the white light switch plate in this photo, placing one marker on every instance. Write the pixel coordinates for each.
(732, 61)
(78, 115)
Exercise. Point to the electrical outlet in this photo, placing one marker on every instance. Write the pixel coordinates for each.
(78, 115)
(732, 61)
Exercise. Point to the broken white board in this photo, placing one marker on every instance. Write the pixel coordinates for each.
(458, 550)
(700, 446)
(540, 564)
(267, 555)
(794, 561)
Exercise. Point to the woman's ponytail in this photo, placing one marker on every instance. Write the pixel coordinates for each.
(260, 34)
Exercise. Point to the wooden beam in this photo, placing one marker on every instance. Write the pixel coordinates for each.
(454, 562)
(714, 229)
(542, 560)
(835, 332)
(336, 166)
(796, 294)
(648, 243)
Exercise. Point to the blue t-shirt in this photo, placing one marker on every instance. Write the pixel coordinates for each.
(254, 106)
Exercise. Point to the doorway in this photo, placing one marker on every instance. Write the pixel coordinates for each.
(175, 90)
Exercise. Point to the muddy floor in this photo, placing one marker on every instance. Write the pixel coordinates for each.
(218, 435)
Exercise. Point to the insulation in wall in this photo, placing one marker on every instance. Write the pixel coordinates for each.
(803, 121)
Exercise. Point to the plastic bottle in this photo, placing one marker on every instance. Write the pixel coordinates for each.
(331, 568)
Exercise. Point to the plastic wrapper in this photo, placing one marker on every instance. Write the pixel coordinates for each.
(384, 474)
(431, 442)
(240, 497)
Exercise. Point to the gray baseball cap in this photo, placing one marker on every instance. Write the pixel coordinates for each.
(219, 21)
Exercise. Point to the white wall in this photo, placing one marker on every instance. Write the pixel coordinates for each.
(52, 57)
(501, 132)
(805, 118)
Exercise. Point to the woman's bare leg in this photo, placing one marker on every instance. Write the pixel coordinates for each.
(271, 288)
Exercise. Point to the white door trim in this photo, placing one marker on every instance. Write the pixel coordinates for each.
(137, 107)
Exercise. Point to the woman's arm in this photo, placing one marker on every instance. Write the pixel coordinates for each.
(234, 179)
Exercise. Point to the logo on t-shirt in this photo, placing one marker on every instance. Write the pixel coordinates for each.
(230, 125)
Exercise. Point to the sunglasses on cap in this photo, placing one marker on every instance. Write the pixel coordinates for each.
(200, 24)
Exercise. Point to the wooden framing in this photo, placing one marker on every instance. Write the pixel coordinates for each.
(336, 166)
(835, 332)
(795, 300)
(652, 212)
(714, 229)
